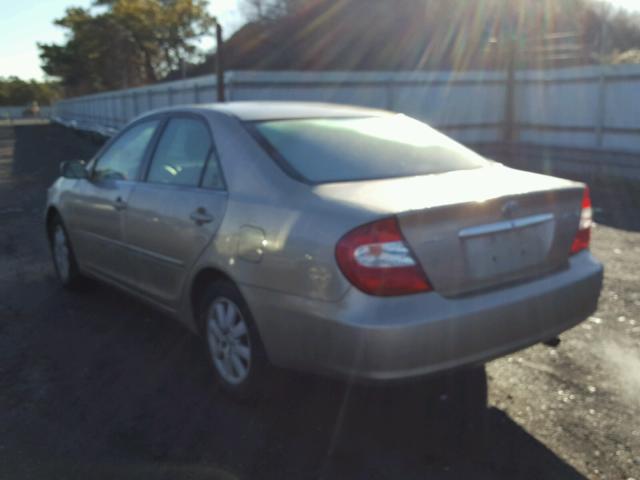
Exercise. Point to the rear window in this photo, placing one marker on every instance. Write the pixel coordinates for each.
(347, 149)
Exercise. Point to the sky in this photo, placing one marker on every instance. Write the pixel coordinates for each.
(24, 23)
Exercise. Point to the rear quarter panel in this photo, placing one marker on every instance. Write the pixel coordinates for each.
(277, 234)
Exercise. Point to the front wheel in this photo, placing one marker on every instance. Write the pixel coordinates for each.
(238, 357)
(64, 259)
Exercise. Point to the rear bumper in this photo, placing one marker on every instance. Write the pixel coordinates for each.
(370, 338)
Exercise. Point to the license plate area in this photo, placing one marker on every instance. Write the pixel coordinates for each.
(507, 248)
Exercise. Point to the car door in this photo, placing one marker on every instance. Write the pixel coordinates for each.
(175, 212)
(99, 202)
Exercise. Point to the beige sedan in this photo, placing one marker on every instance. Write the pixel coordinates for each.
(328, 239)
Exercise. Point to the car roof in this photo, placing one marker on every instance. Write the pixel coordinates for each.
(258, 111)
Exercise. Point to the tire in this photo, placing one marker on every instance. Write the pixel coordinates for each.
(238, 358)
(64, 259)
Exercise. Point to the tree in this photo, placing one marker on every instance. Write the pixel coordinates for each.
(265, 10)
(256, 10)
(426, 34)
(124, 43)
(97, 55)
(16, 92)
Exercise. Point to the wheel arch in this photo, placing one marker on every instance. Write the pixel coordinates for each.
(205, 277)
(50, 216)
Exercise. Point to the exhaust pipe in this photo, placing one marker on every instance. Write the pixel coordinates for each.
(552, 342)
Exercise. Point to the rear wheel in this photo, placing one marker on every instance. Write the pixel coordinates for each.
(239, 361)
(64, 260)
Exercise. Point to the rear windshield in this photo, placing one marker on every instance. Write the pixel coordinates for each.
(346, 149)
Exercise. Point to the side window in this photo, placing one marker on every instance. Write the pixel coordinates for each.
(213, 174)
(122, 160)
(181, 154)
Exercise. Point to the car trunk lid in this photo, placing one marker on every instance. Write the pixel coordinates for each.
(478, 228)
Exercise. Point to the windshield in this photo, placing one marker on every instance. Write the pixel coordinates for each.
(347, 149)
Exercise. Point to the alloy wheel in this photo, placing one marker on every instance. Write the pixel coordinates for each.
(228, 338)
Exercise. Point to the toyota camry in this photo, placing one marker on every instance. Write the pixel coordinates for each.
(330, 239)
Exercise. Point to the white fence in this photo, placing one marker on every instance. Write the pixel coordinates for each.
(592, 108)
(587, 107)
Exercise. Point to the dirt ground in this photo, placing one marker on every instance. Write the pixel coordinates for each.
(96, 385)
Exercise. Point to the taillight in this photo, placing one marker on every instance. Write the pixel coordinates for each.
(583, 237)
(376, 259)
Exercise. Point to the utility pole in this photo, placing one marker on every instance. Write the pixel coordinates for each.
(510, 93)
(219, 63)
(602, 85)
(507, 41)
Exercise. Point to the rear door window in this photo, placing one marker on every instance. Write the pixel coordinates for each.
(182, 153)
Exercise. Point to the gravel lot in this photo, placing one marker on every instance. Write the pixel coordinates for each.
(96, 385)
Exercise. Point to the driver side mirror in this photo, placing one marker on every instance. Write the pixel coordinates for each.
(74, 169)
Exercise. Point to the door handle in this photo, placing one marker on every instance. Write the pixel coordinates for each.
(119, 204)
(200, 216)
